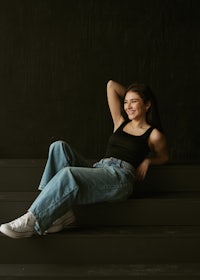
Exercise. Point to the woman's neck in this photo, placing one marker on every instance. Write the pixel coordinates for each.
(142, 124)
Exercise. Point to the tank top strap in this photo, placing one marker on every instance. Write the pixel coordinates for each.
(122, 125)
(148, 131)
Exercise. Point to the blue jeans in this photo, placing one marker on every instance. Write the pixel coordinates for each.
(69, 180)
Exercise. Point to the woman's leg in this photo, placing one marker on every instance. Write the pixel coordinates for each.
(60, 155)
(77, 185)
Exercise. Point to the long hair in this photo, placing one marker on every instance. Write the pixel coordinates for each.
(145, 92)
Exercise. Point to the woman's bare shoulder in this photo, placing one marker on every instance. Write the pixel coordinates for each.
(157, 137)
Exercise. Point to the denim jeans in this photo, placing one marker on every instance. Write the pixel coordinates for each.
(69, 180)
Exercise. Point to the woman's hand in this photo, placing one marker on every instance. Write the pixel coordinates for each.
(142, 169)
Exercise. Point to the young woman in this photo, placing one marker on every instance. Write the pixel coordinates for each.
(136, 143)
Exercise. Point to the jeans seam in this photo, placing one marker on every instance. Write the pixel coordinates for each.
(60, 201)
(37, 227)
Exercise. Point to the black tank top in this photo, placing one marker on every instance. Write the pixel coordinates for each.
(127, 147)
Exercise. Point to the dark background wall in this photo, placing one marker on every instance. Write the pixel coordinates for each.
(56, 57)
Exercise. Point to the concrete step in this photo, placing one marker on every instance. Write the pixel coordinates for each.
(155, 209)
(180, 208)
(20, 174)
(185, 271)
(24, 175)
(106, 245)
(171, 177)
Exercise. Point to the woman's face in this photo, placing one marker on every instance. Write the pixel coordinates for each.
(134, 106)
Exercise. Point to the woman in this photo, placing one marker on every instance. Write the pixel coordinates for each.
(68, 179)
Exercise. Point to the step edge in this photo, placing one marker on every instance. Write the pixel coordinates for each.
(39, 270)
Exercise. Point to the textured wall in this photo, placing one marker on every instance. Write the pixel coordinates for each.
(57, 56)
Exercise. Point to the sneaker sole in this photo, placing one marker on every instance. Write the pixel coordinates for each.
(58, 227)
(13, 234)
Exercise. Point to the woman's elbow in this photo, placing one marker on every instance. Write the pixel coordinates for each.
(165, 158)
(110, 83)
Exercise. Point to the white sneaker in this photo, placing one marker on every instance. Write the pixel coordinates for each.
(62, 222)
(21, 227)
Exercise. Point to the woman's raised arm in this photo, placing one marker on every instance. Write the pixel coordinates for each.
(115, 93)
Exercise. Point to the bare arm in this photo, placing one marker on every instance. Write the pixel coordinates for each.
(115, 92)
(158, 145)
